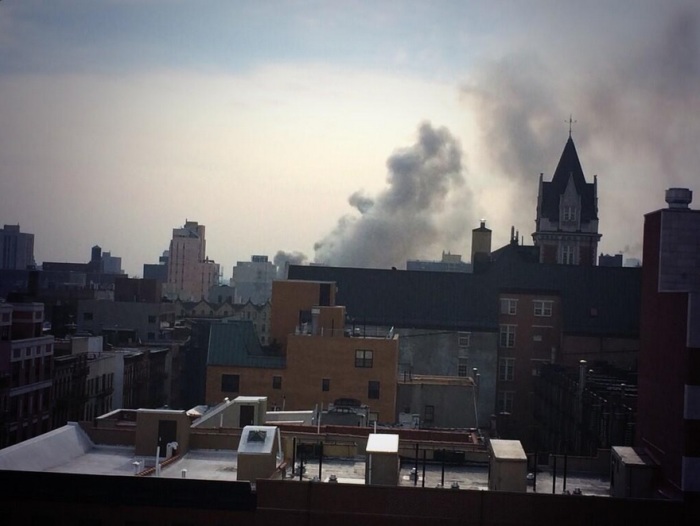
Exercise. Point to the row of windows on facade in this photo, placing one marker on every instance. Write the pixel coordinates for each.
(506, 336)
(100, 384)
(24, 404)
(541, 308)
(21, 371)
(230, 383)
(30, 350)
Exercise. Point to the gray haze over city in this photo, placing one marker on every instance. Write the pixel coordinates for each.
(355, 135)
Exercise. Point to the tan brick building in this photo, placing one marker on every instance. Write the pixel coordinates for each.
(314, 362)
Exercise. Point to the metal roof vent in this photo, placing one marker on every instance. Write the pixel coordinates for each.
(679, 197)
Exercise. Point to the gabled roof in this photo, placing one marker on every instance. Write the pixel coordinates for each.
(235, 343)
(569, 167)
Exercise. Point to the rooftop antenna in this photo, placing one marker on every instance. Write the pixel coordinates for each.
(571, 122)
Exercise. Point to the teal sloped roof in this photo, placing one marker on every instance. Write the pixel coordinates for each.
(235, 343)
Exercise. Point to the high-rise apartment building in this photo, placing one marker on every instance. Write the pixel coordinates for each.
(190, 273)
(253, 280)
(16, 248)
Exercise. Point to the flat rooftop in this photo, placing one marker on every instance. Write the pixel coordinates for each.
(69, 450)
(473, 477)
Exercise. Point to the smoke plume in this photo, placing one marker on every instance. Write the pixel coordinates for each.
(283, 259)
(634, 96)
(413, 216)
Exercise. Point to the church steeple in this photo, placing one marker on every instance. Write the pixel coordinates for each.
(567, 213)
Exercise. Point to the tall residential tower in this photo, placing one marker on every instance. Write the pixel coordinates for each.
(190, 273)
(16, 248)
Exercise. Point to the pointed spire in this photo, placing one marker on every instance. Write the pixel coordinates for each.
(569, 166)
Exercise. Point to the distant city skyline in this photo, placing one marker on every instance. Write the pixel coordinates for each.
(351, 134)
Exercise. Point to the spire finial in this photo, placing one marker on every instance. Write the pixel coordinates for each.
(571, 122)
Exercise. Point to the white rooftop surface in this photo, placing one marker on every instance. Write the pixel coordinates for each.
(204, 464)
(382, 443)
(69, 450)
(508, 449)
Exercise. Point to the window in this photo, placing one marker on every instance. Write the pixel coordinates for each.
(506, 369)
(569, 213)
(463, 339)
(277, 382)
(373, 390)
(326, 384)
(542, 307)
(509, 306)
(429, 414)
(567, 255)
(507, 336)
(87, 316)
(230, 383)
(504, 403)
(462, 369)
(151, 318)
(363, 358)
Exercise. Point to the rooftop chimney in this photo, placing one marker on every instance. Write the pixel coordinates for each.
(679, 197)
(481, 244)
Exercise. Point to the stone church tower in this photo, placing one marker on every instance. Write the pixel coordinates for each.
(567, 214)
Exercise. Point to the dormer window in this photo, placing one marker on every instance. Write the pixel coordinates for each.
(569, 214)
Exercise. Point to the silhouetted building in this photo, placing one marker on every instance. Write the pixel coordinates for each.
(138, 290)
(606, 260)
(448, 263)
(567, 214)
(16, 248)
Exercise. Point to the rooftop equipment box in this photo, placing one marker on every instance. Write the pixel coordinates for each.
(507, 466)
(382, 464)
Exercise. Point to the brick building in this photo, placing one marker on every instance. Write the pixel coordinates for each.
(26, 373)
(313, 362)
(669, 361)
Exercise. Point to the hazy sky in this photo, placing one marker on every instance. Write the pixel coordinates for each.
(349, 132)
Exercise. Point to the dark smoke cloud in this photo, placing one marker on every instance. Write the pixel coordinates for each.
(413, 216)
(635, 94)
(282, 259)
